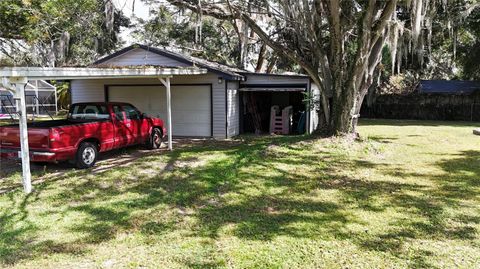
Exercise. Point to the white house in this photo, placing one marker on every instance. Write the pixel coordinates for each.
(209, 105)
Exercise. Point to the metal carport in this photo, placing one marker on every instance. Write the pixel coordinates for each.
(15, 79)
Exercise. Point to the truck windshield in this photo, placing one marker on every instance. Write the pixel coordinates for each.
(88, 112)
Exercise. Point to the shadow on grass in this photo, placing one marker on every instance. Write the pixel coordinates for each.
(428, 207)
(235, 192)
(19, 234)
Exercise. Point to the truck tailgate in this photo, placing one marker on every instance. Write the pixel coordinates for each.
(37, 137)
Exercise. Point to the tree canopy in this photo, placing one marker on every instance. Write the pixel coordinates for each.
(340, 44)
(168, 27)
(228, 42)
(58, 32)
(345, 46)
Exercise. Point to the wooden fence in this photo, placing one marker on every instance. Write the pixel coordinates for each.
(424, 107)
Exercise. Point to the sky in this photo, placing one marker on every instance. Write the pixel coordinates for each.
(140, 11)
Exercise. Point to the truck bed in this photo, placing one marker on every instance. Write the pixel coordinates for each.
(38, 132)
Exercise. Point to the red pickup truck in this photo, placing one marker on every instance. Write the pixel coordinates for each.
(90, 128)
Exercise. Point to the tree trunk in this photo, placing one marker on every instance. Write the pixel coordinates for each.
(271, 64)
(341, 117)
(261, 57)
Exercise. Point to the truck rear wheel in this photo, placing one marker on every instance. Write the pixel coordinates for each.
(155, 140)
(86, 155)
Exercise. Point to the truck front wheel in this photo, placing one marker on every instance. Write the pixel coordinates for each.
(86, 155)
(155, 140)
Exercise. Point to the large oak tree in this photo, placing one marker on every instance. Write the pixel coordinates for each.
(338, 43)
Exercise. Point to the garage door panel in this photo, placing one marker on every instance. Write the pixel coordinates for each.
(191, 116)
(191, 105)
(191, 130)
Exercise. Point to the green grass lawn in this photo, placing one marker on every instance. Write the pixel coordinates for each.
(406, 196)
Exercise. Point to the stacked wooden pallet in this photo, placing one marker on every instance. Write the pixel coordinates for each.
(280, 120)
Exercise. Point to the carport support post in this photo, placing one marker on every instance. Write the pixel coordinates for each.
(19, 95)
(166, 83)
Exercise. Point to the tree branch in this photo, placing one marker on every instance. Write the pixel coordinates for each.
(236, 13)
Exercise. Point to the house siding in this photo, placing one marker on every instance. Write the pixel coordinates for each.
(87, 91)
(143, 57)
(233, 109)
(94, 91)
(314, 120)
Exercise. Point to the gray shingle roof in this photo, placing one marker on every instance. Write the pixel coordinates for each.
(449, 86)
(228, 72)
(224, 70)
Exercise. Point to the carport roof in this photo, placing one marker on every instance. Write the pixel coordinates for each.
(63, 73)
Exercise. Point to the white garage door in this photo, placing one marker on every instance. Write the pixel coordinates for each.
(191, 105)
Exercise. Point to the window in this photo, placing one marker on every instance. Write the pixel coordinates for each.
(132, 112)
(119, 114)
(88, 112)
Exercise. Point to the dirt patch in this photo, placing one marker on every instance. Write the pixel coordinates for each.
(192, 162)
(272, 150)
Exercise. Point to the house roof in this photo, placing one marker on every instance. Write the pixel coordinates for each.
(226, 71)
(449, 86)
(271, 89)
(295, 75)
